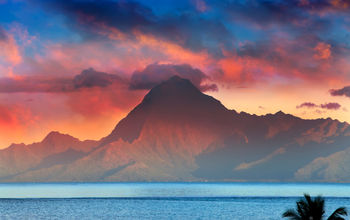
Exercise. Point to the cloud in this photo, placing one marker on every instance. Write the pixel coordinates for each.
(307, 105)
(322, 51)
(155, 73)
(152, 75)
(287, 59)
(131, 35)
(90, 78)
(98, 93)
(86, 79)
(3, 34)
(10, 54)
(297, 14)
(63, 59)
(341, 92)
(329, 106)
(34, 84)
(92, 18)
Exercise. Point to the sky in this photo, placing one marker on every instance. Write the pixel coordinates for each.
(79, 66)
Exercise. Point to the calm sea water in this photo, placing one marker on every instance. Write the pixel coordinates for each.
(160, 200)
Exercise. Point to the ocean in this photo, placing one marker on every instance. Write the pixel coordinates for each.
(161, 200)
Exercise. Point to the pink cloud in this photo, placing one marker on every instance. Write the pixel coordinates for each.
(10, 54)
(322, 51)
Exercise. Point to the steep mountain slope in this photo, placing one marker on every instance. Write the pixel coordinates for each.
(178, 133)
(176, 101)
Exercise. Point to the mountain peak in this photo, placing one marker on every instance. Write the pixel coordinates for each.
(175, 88)
(176, 82)
(175, 100)
(175, 78)
(280, 113)
(53, 134)
(57, 136)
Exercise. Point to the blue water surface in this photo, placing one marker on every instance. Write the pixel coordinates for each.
(160, 200)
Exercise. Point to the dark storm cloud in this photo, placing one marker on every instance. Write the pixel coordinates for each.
(186, 28)
(156, 73)
(341, 92)
(290, 13)
(213, 30)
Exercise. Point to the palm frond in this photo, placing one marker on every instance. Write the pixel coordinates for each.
(291, 214)
(338, 214)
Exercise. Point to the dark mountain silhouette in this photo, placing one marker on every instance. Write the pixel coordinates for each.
(178, 133)
(174, 101)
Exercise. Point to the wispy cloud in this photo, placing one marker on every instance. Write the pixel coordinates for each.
(307, 105)
(329, 106)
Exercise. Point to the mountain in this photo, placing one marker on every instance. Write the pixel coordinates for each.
(56, 148)
(178, 133)
(334, 168)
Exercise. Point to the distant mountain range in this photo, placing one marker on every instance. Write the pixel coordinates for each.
(178, 133)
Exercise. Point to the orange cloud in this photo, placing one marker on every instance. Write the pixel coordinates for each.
(159, 50)
(120, 54)
(322, 51)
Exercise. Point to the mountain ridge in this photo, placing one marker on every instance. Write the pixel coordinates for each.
(177, 133)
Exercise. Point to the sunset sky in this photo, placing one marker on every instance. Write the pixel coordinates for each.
(80, 66)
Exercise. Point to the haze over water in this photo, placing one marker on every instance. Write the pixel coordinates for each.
(161, 200)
